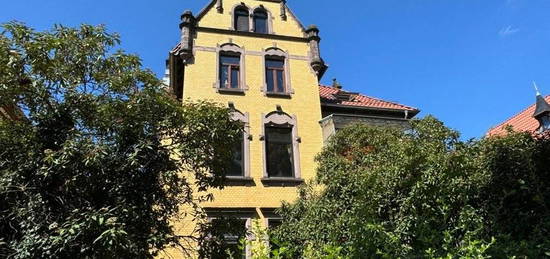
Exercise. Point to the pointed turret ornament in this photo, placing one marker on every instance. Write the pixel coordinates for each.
(542, 111)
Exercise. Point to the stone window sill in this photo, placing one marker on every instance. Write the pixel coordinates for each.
(282, 181)
(231, 90)
(239, 181)
(277, 94)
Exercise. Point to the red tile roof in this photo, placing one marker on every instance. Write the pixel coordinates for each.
(523, 121)
(329, 95)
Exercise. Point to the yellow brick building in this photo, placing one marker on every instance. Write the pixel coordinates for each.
(257, 58)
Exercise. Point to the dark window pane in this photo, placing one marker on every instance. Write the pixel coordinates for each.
(224, 76)
(274, 74)
(235, 77)
(238, 159)
(229, 71)
(228, 59)
(280, 81)
(260, 22)
(230, 231)
(545, 123)
(241, 20)
(273, 224)
(279, 152)
(269, 79)
(275, 63)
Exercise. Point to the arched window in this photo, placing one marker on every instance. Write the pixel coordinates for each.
(240, 163)
(230, 70)
(280, 148)
(242, 20)
(277, 75)
(260, 21)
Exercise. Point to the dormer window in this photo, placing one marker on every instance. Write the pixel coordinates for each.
(242, 19)
(260, 21)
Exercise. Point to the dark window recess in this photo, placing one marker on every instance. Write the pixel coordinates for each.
(272, 225)
(242, 20)
(545, 123)
(260, 21)
(237, 163)
(275, 75)
(279, 152)
(232, 231)
(230, 71)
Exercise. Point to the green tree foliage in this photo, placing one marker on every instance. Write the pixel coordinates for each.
(97, 166)
(423, 193)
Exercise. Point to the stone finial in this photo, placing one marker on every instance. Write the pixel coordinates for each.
(335, 84)
(187, 27)
(219, 6)
(187, 19)
(283, 10)
(317, 63)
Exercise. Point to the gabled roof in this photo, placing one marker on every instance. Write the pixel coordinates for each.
(523, 121)
(333, 96)
(212, 3)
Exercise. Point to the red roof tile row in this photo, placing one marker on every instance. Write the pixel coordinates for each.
(329, 95)
(523, 121)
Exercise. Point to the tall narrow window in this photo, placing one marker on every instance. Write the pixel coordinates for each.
(260, 21)
(237, 163)
(224, 236)
(241, 19)
(272, 224)
(230, 71)
(275, 74)
(279, 151)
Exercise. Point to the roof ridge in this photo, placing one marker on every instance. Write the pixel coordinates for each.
(497, 127)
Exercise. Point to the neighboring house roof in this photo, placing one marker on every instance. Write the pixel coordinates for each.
(523, 121)
(335, 96)
(9, 112)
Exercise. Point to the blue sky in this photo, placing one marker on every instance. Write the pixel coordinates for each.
(468, 62)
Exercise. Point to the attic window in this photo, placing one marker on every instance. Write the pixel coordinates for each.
(344, 96)
(260, 21)
(242, 21)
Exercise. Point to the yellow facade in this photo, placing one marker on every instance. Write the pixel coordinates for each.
(201, 74)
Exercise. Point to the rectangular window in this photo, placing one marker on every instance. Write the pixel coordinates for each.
(275, 75)
(279, 152)
(232, 232)
(237, 163)
(230, 67)
(272, 224)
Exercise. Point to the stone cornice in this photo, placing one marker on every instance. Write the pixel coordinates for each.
(252, 34)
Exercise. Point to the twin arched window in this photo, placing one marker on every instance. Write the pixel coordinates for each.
(243, 19)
